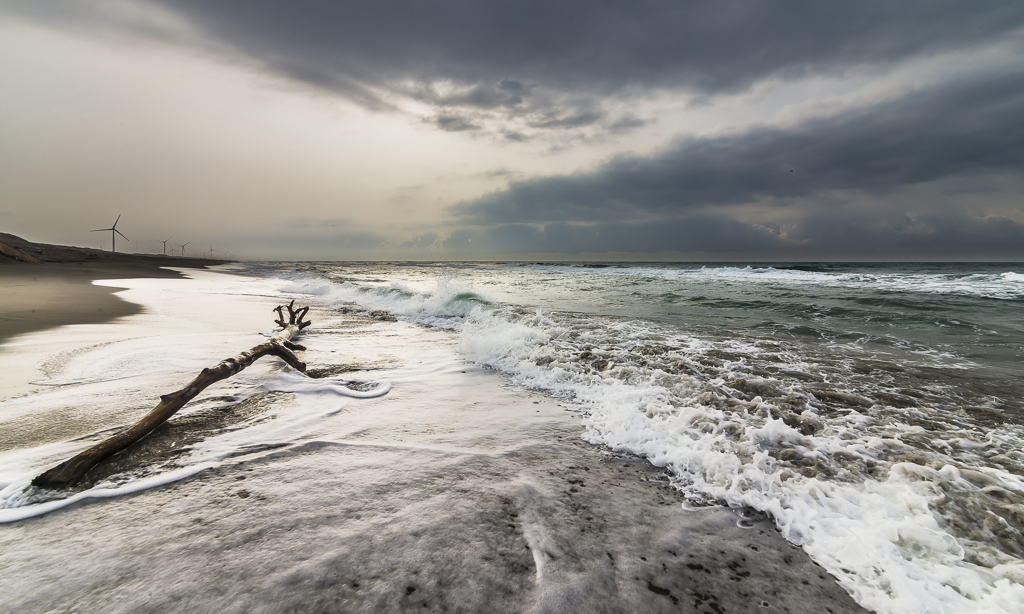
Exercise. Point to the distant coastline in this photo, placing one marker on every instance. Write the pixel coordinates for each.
(51, 254)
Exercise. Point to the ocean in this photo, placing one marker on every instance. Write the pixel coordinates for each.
(873, 411)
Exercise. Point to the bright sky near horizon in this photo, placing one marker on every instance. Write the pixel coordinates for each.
(569, 129)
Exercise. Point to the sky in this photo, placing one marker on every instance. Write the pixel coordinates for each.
(705, 130)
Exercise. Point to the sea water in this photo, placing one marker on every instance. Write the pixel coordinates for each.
(872, 410)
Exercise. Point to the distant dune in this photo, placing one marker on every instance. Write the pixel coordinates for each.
(45, 253)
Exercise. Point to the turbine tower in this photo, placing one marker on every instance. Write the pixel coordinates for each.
(182, 248)
(113, 229)
(165, 245)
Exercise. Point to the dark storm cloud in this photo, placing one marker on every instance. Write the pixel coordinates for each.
(700, 233)
(828, 185)
(574, 120)
(849, 233)
(955, 129)
(598, 44)
(507, 58)
(939, 233)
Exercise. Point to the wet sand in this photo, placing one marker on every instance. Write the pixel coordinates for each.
(59, 290)
(454, 492)
(37, 297)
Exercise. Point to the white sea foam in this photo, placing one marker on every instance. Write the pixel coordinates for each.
(106, 382)
(18, 507)
(1002, 286)
(881, 525)
(315, 400)
(1006, 285)
(443, 303)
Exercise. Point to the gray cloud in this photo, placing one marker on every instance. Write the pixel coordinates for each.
(848, 233)
(842, 184)
(626, 123)
(950, 130)
(943, 234)
(421, 241)
(572, 120)
(508, 59)
(453, 123)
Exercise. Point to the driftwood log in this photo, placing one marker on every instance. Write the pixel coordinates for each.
(71, 471)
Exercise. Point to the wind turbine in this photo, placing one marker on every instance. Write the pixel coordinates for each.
(113, 229)
(182, 248)
(165, 245)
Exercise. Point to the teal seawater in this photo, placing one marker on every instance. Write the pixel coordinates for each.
(957, 326)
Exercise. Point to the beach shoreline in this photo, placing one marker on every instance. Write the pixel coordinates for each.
(454, 491)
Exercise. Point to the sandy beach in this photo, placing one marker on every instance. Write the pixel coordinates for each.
(452, 492)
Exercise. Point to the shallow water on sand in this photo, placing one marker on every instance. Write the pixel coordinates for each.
(874, 411)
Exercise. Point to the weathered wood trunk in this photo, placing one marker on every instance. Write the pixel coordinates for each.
(71, 471)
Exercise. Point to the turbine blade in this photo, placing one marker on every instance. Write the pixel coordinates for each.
(116, 221)
(101, 230)
(120, 233)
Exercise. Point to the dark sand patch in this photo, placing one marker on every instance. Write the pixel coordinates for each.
(47, 296)
(325, 370)
(59, 291)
